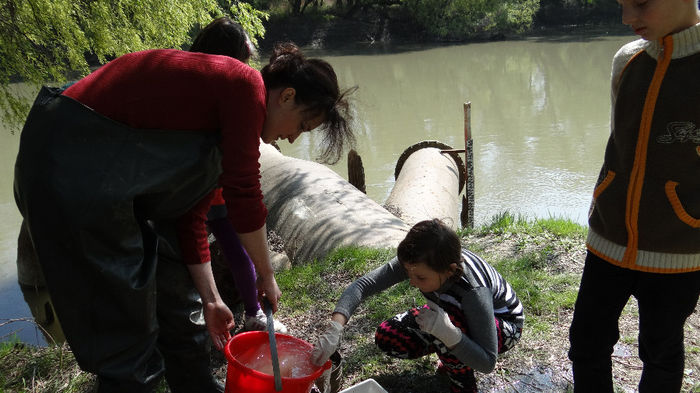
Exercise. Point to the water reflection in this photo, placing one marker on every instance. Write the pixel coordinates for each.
(12, 303)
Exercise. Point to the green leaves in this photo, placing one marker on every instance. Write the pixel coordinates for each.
(250, 18)
(48, 41)
(460, 19)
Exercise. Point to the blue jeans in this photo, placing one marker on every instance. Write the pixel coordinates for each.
(665, 302)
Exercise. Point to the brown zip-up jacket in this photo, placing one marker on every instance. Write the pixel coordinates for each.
(645, 213)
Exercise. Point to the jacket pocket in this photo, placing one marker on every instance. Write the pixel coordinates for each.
(678, 206)
(603, 184)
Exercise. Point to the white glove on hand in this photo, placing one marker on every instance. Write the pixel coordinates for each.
(434, 320)
(326, 344)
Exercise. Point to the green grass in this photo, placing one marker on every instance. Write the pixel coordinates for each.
(543, 293)
(309, 285)
(560, 227)
(508, 223)
(357, 260)
(8, 346)
(540, 291)
(24, 368)
(314, 288)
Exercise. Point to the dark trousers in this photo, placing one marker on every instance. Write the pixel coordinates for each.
(402, 338)
(665, 301)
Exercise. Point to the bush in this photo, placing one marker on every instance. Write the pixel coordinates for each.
(461, 19)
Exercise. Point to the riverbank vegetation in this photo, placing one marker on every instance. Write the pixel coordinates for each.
(50, 41)
(542, 259)
(450, 20)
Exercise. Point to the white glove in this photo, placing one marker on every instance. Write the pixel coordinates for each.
(434, 320)
(327, 343)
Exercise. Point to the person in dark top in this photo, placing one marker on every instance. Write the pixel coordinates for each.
(223, 36)
(114, 178)
(472, 313)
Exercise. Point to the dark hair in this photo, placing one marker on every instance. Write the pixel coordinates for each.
(316, 87)
(223, 36)
(431, 242)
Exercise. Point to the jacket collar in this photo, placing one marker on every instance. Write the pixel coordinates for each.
(685, 43)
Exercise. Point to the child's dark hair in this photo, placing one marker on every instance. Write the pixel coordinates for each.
(223, 36)
(431, 242)
(316, 87)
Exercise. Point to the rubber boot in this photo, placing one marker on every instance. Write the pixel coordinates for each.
(183, 338)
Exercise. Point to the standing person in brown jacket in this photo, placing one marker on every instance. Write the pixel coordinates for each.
(644, 237)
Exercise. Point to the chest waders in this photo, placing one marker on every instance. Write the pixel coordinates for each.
(100, 200)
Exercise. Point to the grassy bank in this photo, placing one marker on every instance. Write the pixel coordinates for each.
(542, 259)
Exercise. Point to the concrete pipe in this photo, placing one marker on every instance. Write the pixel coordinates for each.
(315, 211)
(428, 184)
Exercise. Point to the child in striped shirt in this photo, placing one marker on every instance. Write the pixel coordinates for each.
(472, 313)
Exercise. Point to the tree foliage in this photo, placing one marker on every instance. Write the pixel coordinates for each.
(250, 18)
(50, 40)
(577, 11)
(459, 19)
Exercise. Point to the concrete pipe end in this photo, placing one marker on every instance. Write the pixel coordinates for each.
(434, 144)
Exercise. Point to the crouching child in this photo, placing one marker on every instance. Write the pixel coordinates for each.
(472, 314)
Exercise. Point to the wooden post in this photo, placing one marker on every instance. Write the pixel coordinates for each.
(356, 171)
(467, 216)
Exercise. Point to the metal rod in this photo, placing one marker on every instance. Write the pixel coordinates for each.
(468, 199)
(273, 345)
(467, 122)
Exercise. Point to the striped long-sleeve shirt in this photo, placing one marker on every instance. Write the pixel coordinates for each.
(506, 304)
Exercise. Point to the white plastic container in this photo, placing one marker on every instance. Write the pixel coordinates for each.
(366, 386)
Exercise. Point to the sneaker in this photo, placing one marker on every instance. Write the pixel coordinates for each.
(259, 322)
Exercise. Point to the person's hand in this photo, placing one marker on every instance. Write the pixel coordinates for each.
(434, 320)
(219, 320)
(267, 287)
(326, 343)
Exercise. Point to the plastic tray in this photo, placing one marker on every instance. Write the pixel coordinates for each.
(366, 386)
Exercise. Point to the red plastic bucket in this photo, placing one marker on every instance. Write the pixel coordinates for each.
(241, 375)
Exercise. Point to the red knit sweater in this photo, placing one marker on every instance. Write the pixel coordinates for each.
(177, 90)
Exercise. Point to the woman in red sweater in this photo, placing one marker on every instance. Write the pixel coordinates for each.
(114, 178)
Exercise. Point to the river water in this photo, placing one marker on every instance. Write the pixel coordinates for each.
(539, 123)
